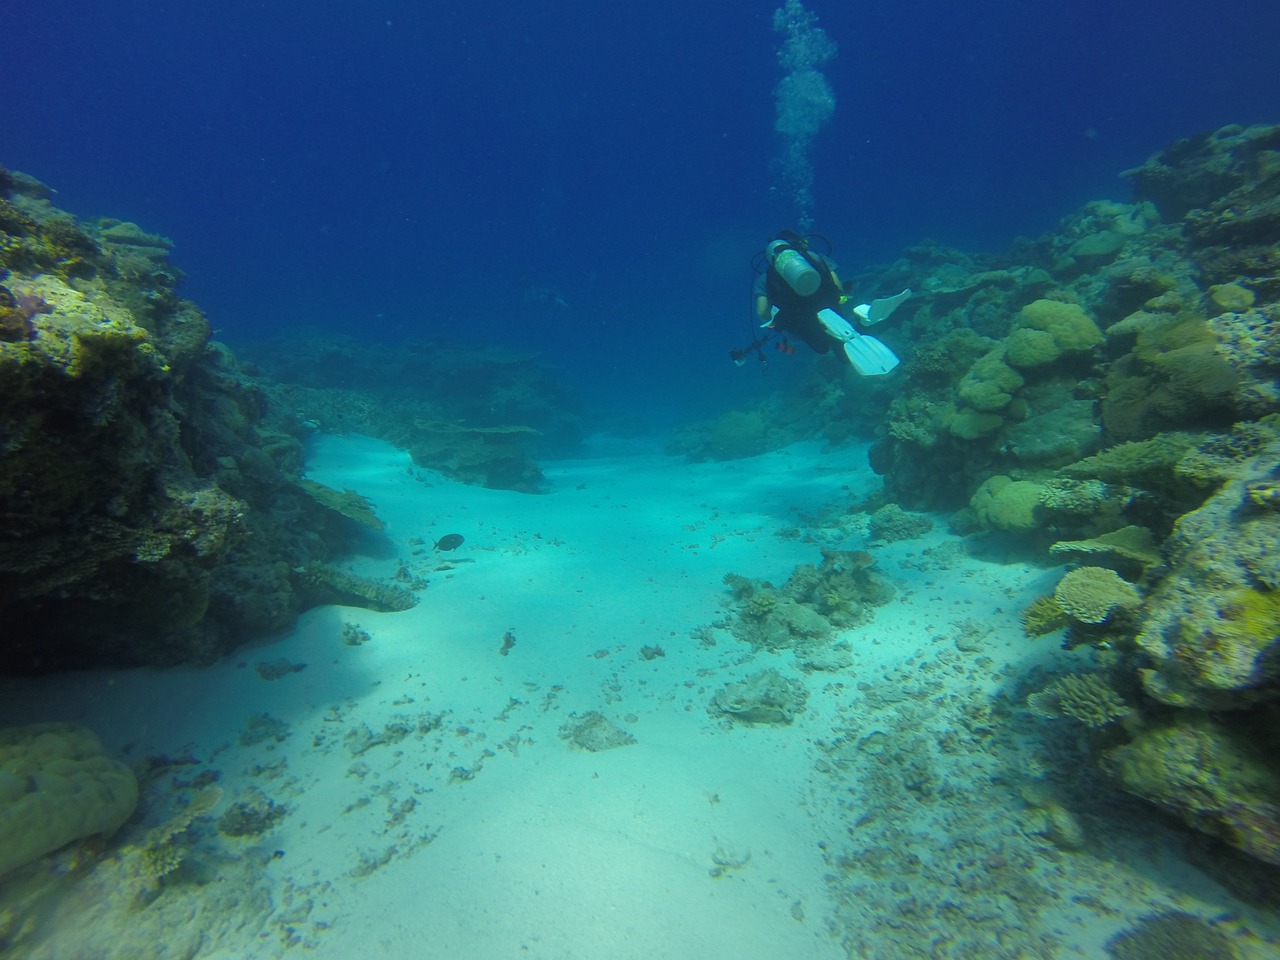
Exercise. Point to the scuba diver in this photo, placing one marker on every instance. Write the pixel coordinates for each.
(799, 293)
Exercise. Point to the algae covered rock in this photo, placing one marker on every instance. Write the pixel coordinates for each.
(1172, 936)
(56, 786)
(1218, 774)
(764, 697)
(593, 731)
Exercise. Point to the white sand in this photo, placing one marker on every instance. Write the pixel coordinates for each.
(435, 812)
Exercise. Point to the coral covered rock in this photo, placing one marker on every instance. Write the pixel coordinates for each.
(1219, 775)
(144, 476)
(1212, 627)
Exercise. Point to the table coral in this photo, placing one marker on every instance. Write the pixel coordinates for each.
(1090, 594)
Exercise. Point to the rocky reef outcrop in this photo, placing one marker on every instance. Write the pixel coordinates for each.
(147, 483)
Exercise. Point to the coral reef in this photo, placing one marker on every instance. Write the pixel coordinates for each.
(1107, 393)
(481, 415)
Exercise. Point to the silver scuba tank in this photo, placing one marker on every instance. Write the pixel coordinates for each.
(793, 268)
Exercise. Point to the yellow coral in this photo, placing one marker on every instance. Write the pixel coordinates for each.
(1089, 594)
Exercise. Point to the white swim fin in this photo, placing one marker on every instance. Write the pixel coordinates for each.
(870, 357)
(878, 310)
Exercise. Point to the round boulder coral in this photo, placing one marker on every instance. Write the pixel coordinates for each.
(1071, 329)
(57, 786)
(1031, 348)
(1002, 503)
(1089, 594)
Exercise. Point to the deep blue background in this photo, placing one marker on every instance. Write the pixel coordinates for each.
(394, 169)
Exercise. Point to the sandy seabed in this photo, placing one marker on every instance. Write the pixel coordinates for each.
(421, 800)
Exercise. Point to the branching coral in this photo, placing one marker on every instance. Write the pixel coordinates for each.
(1086, 697)
(1043, 615)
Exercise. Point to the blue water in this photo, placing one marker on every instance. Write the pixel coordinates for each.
(407, 169)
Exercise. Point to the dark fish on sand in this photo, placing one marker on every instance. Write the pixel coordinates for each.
(450, 541)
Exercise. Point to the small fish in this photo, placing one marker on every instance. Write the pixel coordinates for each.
(450, 541)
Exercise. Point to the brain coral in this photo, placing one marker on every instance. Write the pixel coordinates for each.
(1089, 594)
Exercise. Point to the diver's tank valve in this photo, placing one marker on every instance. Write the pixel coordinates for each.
(794, 268)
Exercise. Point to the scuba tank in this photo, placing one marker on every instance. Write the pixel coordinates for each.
(793, 267)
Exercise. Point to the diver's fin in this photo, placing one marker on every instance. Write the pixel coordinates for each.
(878, 310)
(836, 325)
(869, 356)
